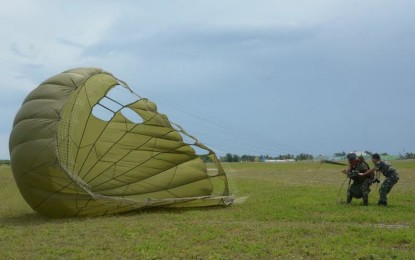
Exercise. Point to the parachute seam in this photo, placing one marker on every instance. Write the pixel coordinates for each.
(121, 201)
(110, 147)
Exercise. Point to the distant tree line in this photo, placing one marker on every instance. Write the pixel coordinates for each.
(343, 154)
(408, 156)
(6, 162)
(300, 157)
(255, 158)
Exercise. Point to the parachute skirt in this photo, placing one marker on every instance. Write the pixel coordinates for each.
(77, 150)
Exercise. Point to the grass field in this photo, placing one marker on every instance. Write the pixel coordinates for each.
(292, 211)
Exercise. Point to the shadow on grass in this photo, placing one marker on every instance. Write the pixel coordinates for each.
(26, 219)
(167, 210)
(34, 218)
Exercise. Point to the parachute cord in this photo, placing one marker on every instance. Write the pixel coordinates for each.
(317, 170)
(339, 200)
(253, 141)
(125, 85)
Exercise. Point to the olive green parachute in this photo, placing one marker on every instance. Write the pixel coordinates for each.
(77, 150)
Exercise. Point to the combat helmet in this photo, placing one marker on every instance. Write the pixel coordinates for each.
(351, 156)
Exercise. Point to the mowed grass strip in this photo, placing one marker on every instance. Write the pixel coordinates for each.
(292, 211)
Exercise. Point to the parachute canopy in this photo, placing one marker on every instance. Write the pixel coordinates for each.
(84, 144)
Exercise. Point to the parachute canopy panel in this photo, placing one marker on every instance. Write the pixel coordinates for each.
(84, 144)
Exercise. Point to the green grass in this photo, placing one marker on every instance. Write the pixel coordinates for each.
(291, 212)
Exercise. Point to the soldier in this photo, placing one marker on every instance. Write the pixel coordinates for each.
(360, 187)
(392, 177)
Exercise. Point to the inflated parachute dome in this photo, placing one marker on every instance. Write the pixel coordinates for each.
(84, 144)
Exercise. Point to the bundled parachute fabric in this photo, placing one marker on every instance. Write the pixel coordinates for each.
(80, 148)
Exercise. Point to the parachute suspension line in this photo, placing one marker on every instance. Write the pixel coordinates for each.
(225, 127)
(317, 170)
(69, 166)
(107, 108)
(84, 174)
(111, 100)
(181, 130)
(125, 85)
(82, 136)
(94, 193)
(339, 199)
(73, 119)
(230, 188)
(99, 135)
(254, 142)
(156, 154)
(233, 185)
(67, 154)
(227, 131)
(124, 134)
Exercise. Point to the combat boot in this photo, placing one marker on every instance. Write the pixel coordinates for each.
(382, 203)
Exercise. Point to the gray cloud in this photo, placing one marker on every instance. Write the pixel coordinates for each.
(306, 74)
(14, 48)
(70, 43)
(179, 42)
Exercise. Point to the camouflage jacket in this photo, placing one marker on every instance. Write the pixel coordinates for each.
(386, 169)
(359, 167)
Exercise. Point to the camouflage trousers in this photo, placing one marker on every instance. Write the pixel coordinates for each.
(365, 188)
(386, 187)
(359, 190)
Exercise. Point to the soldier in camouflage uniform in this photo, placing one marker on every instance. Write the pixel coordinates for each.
(391, 174)
(360, 187)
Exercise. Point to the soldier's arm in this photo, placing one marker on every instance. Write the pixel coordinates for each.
(370, 171)
(345, 171)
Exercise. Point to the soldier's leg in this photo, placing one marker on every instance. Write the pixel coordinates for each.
(353, 192)
(385, 189)
(382, 193)
(365, 188)
(391, 182)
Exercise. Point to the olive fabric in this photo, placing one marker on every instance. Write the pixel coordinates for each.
(69, 161)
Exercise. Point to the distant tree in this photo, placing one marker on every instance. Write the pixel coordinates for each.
(285, 157)
(368, 152)
(248, 158)
(236, 158)
(228, 157)
(409, 156)
(341, 154)
(303, 156)
(5, 162)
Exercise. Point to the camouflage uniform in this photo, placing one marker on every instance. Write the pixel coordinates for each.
(392, 177)
(360, 187)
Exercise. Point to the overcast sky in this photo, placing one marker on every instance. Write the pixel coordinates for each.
(245, 77)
